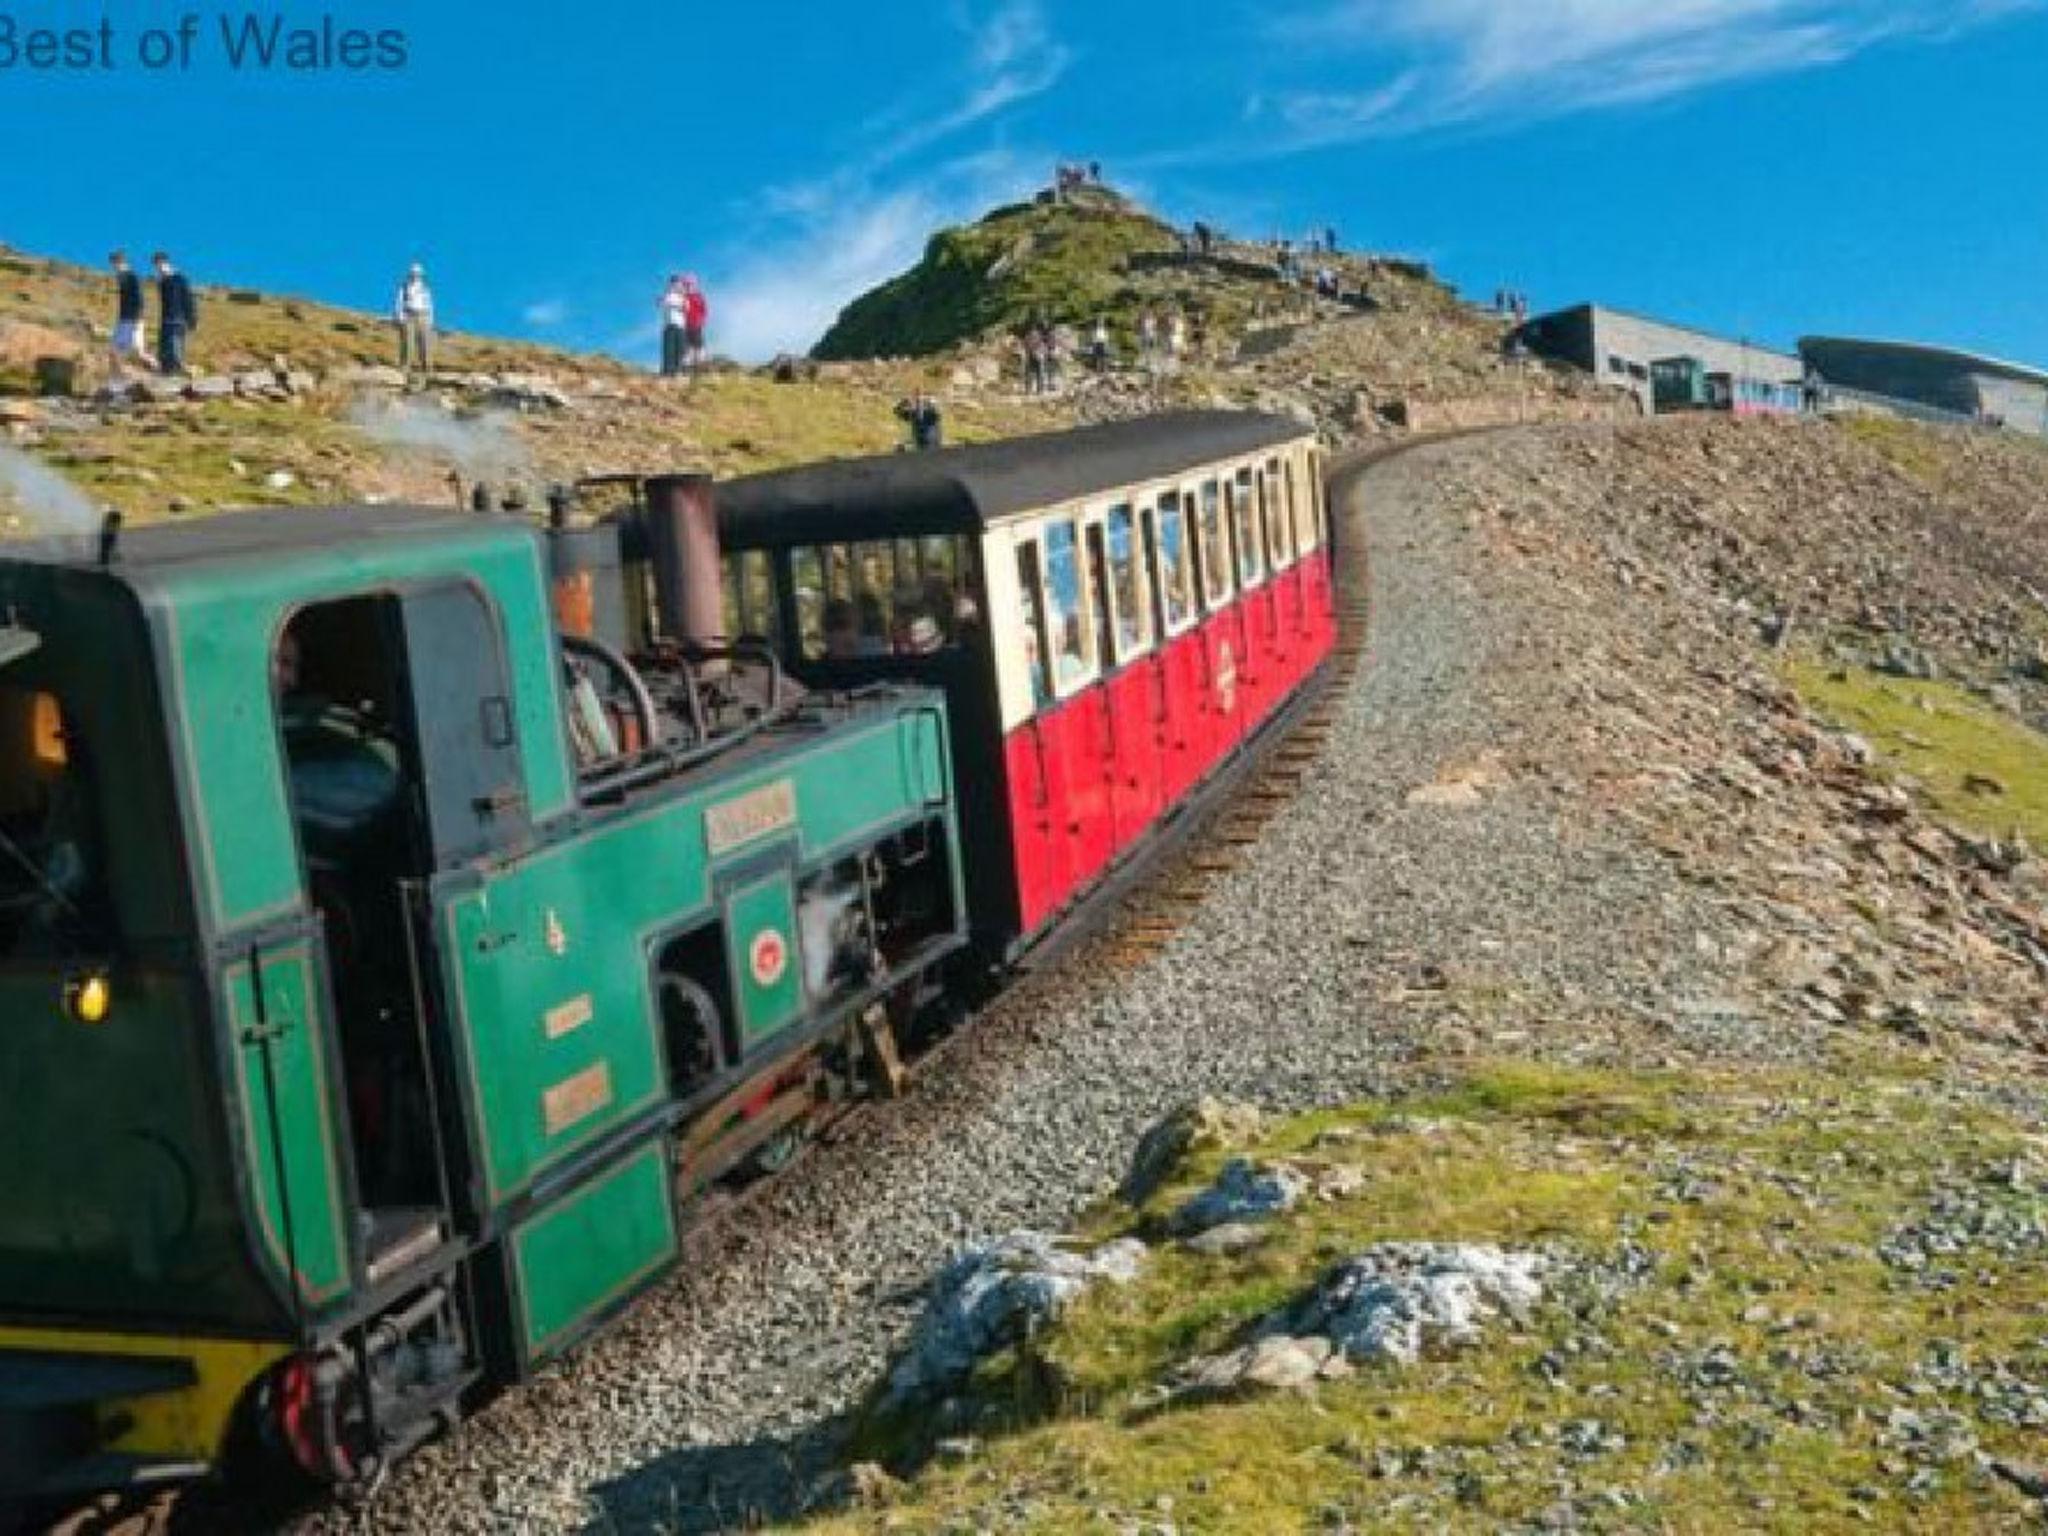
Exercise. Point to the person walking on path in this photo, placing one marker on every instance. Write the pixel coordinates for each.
(1148, 338)
(413, 311)
(1098, 347)
(177, 315)
(127, 346)
(1176, 339)
(675, 327)
(696, 320)
(920, 413)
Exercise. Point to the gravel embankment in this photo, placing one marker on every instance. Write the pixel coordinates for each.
(1366, 932)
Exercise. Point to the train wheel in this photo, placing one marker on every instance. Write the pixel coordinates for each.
(690, 1018)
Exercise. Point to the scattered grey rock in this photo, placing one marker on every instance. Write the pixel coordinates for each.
(1394, 1301)
(1227, 1241)
(1208, 1123)
(997, 1295)
(1244, 1192)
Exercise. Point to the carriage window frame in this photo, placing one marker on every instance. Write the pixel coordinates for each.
(1279, 519)
(1067, 682)
(1217, 559)
(1302, 501)
(1181, 506)
(1133, 631)
(1247, 534)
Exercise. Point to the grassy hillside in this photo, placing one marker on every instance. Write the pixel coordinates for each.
(1773, 1303)
(1067, 263)
(319, 442)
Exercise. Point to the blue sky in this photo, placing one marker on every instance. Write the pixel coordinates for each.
(1767, 167)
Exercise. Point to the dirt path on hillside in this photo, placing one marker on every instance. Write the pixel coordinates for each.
(1452, 886)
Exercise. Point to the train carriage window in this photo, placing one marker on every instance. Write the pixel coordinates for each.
(1176, 564)
(1215, 548)
(52, 892)
(1037, 633)
(1245, 528)
(1066, 601)
(1131, 614)
(1279, 538)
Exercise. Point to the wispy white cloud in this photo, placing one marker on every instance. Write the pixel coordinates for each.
(545, 314)
(1446, 63)
(833, 236)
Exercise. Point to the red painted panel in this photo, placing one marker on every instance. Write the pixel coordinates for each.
(1184, 735)
(1077, 736)
(1035, 831)
(1134, 716)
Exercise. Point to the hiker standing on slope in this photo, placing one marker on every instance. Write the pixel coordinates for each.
(413, 311)
(675, 325)
(177, 314)
(127, 344)
(696, 317)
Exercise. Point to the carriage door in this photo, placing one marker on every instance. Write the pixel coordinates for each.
(472, 789)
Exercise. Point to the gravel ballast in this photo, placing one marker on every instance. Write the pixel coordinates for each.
(1374, 925)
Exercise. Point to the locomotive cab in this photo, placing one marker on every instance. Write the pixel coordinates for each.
(381, 969)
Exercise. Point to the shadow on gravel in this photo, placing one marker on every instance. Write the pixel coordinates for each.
(702, 1489)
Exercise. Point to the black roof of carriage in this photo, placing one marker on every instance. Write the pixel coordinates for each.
(962, 490)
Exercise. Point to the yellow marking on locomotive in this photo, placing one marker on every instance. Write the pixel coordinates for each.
(575, 1099)
(187, 1424)
(570, 1017)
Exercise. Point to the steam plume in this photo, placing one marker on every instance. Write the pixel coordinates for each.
(38, 503)
(478, 447)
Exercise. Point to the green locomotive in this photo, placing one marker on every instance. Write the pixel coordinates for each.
(384, 964)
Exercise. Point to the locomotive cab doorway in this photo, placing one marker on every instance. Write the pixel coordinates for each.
(395, 722)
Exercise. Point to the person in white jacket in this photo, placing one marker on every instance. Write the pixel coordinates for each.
(414, 314)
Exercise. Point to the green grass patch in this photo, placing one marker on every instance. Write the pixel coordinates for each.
(1916, 451)
(1734, 1343)
(1979, 766)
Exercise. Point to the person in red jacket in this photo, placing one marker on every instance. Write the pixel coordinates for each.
(696, 316)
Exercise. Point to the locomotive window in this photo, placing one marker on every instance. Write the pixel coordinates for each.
(1037, 644)
(1215, 548)
(1245, 524)
(1131, 613)
(52, 896)
(1066, 602)
(905, 597)
(1176, 564)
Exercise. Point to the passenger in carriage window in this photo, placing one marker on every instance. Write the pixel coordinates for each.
(842, 630)
(874, 627)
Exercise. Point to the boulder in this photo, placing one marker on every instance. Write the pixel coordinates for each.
(1394, 1301)
(997, 1295)
(371, 376)
(1207, 1124)
(1244, 1193)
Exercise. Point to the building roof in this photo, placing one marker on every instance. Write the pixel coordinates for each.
(1668, 325)
(961, 490)
(1942, 357)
